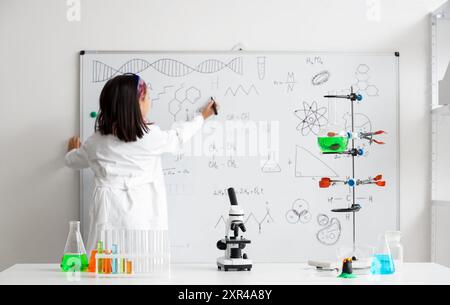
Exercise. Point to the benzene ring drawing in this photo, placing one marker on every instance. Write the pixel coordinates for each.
(363, 84)
(182, 98)
(312, 118)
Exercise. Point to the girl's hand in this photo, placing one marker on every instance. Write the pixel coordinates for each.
(209, 109)
(74, 143)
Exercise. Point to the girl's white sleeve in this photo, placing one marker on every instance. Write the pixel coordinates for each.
(172, 141)
(77, 158)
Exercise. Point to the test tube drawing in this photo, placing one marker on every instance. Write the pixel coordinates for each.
(261, 67)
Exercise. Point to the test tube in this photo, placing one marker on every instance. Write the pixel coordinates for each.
(107, 240)
(133, 246)
(142, 243)
(138, 264)
(166, 251)
(138, 268)
(128, 241)
(114, 263)
(138, 261)
(123, 249)
(153, 243)
(107, 263)
(100, 260)
(129, 266)
(114, 238)
(136, 249)
(156, 250)
(145, 242)
(99, 266)
(159, 250)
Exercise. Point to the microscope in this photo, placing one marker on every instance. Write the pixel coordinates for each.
(233, 244)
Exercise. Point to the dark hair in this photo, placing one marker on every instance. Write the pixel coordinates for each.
(120, 113)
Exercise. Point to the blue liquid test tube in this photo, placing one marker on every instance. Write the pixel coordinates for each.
(114, 261)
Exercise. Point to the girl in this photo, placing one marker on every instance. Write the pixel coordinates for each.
(125, 155)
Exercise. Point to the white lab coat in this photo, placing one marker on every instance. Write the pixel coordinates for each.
(129, 188)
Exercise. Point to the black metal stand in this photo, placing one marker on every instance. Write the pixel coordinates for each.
(354, 207)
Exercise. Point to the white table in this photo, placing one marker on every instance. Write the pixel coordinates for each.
(262, 273)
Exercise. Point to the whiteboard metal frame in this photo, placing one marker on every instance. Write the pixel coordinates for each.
(194, 52)
(436, 111)
(81, 133)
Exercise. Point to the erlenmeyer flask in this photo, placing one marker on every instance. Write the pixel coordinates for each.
(74, 257)
(382, 262)
(396, 248)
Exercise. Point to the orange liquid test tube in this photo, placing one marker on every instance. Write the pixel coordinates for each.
(107, 263)
(129, 266)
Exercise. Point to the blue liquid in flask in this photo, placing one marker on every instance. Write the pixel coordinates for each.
(382, 264)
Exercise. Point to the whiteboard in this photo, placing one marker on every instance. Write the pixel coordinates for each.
(288, 216)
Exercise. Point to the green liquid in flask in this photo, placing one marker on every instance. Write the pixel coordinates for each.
(332, 144)
(74, 262)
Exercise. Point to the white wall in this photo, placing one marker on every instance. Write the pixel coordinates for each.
(39, 90)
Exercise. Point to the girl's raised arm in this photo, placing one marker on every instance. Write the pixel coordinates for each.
(76, 156)
(172, 141)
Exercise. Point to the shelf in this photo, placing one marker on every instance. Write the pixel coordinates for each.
(444, 87)
(443, 12)
(441, 110)
(440, 203)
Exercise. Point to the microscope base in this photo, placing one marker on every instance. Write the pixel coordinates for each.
(238, 264)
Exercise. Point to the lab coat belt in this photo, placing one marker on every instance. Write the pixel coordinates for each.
(123, 183)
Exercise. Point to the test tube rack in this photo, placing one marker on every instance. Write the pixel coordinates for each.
(129, 252)
(111, 265)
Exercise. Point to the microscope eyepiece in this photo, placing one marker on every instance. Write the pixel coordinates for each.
(232, 196)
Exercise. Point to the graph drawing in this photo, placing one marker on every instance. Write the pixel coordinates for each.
(242, 90)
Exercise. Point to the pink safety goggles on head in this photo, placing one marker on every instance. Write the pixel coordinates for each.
(141, 87)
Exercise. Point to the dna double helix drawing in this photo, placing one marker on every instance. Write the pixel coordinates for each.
(102, 72)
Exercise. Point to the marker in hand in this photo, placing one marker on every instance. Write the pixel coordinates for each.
(214, 106)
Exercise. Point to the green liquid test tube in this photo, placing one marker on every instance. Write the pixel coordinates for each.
(100, 260)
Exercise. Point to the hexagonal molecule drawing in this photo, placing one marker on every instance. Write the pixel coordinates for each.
(183, 99)
(363, 85)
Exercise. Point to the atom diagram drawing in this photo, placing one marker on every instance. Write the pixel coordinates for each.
(312, 118)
